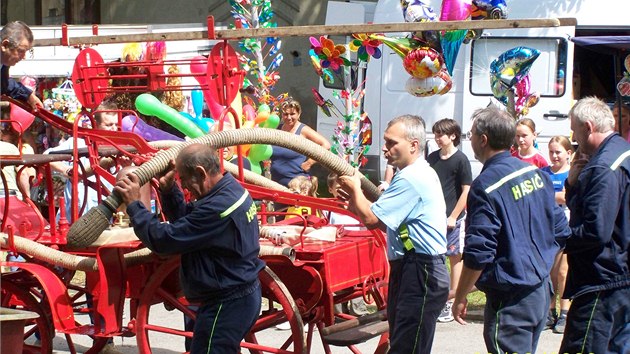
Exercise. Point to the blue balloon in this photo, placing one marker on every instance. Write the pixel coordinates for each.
(205, 123)
(514, 64)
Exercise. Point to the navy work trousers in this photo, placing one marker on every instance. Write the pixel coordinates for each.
(598, 322)
(220, 327)
(513, 320)
(418, 288)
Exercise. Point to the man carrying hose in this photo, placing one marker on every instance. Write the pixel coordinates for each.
(413, 213)
(217, 237)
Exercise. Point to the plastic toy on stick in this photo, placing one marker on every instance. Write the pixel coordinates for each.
(149, 105)
(205, 123)
(136, 125)
(261, 57)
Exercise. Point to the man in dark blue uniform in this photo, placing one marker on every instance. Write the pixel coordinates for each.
(598, 251)
(217, 237)
(17, 40)
(509, 247)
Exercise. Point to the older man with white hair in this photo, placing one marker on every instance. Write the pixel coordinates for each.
(598, 251)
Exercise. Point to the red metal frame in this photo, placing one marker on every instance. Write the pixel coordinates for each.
(353, 266)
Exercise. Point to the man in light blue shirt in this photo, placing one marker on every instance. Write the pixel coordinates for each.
(413, 213)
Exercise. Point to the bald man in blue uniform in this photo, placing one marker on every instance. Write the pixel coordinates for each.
(217, 237)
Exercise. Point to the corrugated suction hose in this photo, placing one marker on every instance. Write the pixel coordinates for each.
(86, 229)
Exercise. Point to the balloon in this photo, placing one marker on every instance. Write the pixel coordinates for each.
(524, 98)
(489, 9)
(151, 106)
(255, 167)
(423, 62)
(439, 84)
(249, 113)
(261, 117)
(260, 152)
(272, 122)
(624, 87)
(248, 124)
(417, 11)
(245, 149)
(511, 66)
(203, 123)
(451, 41)
(402, 46)
(149, 133)
(455, 10)
(626, 63)
(24, 118)
(264, 108)
(197, 101)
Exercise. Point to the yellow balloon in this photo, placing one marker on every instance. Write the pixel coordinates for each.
(261, 117)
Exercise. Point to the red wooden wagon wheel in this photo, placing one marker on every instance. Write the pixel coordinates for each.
(280, 307)
(19, 297)
(19, 289)
(162, 290)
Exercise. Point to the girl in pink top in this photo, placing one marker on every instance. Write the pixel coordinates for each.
(525, 136)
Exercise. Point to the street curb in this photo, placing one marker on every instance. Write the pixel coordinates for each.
(474, 315)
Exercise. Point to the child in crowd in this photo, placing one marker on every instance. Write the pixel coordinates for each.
(560, 151)
(303, 185)
(453, 169)
(336, 218)
(526, 151)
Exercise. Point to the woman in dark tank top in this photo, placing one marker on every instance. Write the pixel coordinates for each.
(285, 163)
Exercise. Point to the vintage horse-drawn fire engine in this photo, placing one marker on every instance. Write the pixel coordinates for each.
(301, 283)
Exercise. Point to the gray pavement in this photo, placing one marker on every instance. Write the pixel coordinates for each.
(449, 338)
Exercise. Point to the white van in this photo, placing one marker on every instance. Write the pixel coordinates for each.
(552, 74)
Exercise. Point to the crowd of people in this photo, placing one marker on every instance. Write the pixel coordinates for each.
(520, 231)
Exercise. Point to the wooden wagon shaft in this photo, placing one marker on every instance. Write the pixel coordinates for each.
(303, 31)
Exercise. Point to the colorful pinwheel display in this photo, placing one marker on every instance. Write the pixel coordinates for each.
(331, 55)
(260, 78)
(365, 47)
